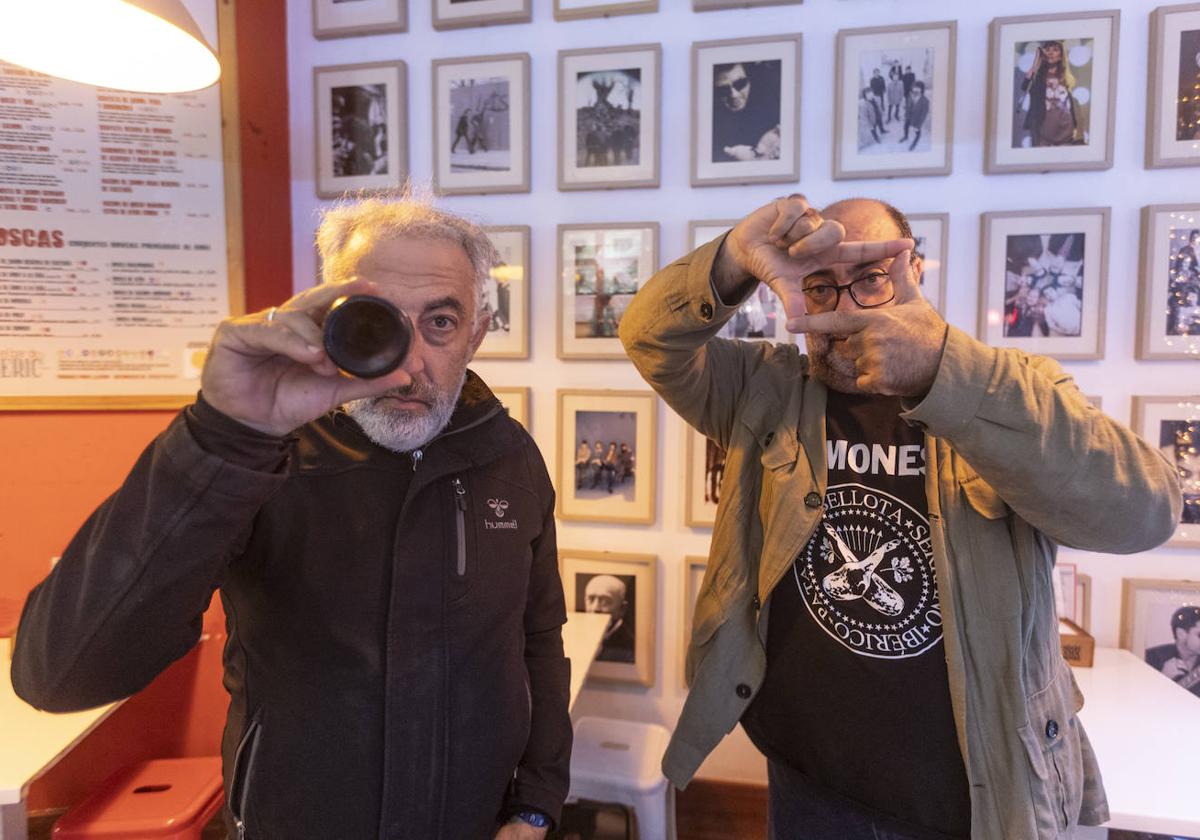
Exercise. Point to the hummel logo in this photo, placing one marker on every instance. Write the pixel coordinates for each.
(499, 506)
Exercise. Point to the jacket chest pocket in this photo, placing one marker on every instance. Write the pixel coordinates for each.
(488, 539)
(461, 539)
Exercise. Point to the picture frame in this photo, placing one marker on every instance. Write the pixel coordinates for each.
(1173, 116)
(1044, 278)
(506, 295)
(361, 127)
(1070, 124)
(694, 568)
(516, 400)
(919, 57)
(704, 467)
(1067, 591)
(623, 585)
(932, 234)
(602, 145)
(1083, 598)
(332, 19)
(1169, 283)
(716, 5)
(448, 14)
(580, 9)
(762, 316)
(745, 114)
(484, 101)
(1173, 425)
(607, 486)
(1156, 617)
(600, 267)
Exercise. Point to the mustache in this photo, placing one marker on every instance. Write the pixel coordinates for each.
(413, 391)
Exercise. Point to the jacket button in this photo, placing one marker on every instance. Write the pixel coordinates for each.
(812, 500)
(767, 440)
(743, 691)
(756, 602)
(706, 310)
(1051, 729)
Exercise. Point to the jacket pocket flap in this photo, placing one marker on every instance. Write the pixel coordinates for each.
(1051, 713)
(986, 501)
(761, 416)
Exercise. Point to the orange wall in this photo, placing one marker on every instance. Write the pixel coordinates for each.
(57, 466)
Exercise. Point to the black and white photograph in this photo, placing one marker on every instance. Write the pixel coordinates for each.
(601, 267)
(1183, 282)
(456, 14)
(481, 124)
(621, 586)
(931, 235)
(577, 9)
(1173, 106)
(608, 117)
(345, 18)
(894, 93)
(704, 467)
(745, 109)
(506, 295)
(1053, 92)
(1173, 423)
(1044, 276)
(606, 456)
(616, 597)
(1169, 297)
(1160, 623)
(362, 144)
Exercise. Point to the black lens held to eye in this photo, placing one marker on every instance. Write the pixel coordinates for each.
(366, 336)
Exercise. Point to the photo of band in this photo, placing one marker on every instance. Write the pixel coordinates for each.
(895, 90)
(1044, 285)
(1183, 283)
(1179, 441)
(604, 456)
(608, 118)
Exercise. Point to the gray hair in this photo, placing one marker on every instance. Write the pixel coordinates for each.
(407, 212)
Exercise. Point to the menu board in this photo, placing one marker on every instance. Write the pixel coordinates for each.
(113, 246)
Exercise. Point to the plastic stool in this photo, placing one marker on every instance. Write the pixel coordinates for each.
(618, 761)
(167, 799)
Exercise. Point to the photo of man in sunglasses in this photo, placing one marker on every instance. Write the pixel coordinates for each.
(746, 107)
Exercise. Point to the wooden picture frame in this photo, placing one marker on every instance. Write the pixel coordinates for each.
(1172, 115)
(626, 589)
(580, 9)
(596, 137)
(717, 5)
(745, 114)
(1076, 135)
(703, 468)
(1150, 608)
(932, 234)
(484, 101)
(860, 150)
(1083, 597)
(362, 134)
(1173, 425)
(694, 569)
(616, 486)
(516, 400)
(480, 13)
(1029, 254)
(1169, 283)
(600, 267)
(506, 295)
(365, 17)
(703, 231)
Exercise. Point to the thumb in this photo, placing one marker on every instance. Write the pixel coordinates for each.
(904, 279)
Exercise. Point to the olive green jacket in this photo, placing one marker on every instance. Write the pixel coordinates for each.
(1018, 462)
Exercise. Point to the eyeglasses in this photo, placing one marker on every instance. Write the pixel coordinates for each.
(868, 292)
(737, 84)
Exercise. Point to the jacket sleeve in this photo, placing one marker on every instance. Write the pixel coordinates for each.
(1078, 476)
(543, 775)
(129, 594)
(669, 333)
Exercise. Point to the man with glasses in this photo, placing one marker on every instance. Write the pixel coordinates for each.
(746, 111)
(878, 610)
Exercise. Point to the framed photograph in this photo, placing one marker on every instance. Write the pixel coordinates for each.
(704, 467)
(762, 316)
(1095, 399)
(1052, 92)
(1044, 275)
(600, 268)
(609, 117)
(893, 99)
(516, 400)
(1169, 298)
(481, 124)
(341, 19)
(606, 456)
(456, 14)
(746, 111)
(1160, 622)
(694, 568)
(931, 232)
(714, 5)
(1066, 591)
(1173, 106)
(1173, 425)
(577, 9)
(362, 127)
(506, 295)
(623, 586)
(1083, 601)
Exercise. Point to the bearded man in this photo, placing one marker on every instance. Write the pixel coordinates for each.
(878, 609)
(395, 666)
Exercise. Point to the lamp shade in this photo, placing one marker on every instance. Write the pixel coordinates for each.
(140, 45)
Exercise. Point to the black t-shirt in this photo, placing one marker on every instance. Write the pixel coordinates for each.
(856, 695)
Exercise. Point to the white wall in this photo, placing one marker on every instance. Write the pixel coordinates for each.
(965, 194)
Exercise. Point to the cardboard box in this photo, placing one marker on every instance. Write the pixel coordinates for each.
(1078, 647)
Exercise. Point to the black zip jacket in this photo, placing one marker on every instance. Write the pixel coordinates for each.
(394, 659)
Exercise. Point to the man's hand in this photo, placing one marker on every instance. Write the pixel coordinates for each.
(517, 830)
(269, 370)
(1174, 668)
(896, 349)
(741, 152)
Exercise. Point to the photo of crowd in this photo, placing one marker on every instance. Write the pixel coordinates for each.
(894, 112)
(608, 118)
(1183, 283)
(605, 460)
(1052, 93)
(359, 128)
(1187, 124)
(1044, 276)
(746, 111)
(616, 597)
(479, 125)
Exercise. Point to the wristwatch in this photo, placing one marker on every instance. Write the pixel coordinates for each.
(531, 817)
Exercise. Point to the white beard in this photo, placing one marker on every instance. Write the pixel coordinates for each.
(400, 430)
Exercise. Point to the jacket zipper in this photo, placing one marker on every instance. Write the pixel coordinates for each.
(251, 740)
(460, 513)
(418, 454)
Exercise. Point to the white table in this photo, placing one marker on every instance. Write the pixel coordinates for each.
(581, 642)
(1146, 732)
(31, 742)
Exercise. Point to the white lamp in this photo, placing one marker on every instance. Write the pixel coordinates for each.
(141, 45)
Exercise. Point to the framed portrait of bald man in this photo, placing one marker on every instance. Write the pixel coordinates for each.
(623, 587)
(746, 111)
(1173, 424)
(1173, 118)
